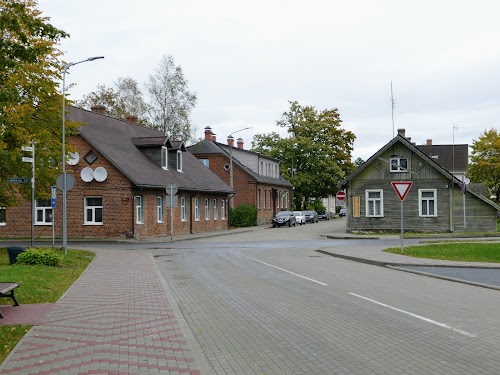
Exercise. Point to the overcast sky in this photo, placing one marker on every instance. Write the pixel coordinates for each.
(246, 60)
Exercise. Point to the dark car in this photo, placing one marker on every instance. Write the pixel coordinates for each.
(311, 216)
(284, 218)
(323, 215)
(342, 212)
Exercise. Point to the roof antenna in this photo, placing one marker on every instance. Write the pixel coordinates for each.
(392, 102)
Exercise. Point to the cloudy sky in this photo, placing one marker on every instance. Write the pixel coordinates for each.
(246, 60)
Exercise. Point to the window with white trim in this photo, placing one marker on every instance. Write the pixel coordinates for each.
(216, 210)
(3, 216)
(43, 209)
(139, 209)
(160, 209)
(223, 209)
(207, 208)
(399, 164)
(374, 203)
(179, 160)
(183, 209)
(93, 211)
(265, 199)
(427, 202)
(258, 199)
(164, 157)
(197, 209)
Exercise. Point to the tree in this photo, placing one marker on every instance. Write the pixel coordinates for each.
(485, 162)
(358, 162)
(315, 156)
(123, 99)
(30, 105)
(170, 100)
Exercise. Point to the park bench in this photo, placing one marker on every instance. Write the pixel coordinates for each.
(7, 291)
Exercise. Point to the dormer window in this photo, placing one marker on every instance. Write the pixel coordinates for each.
(164, 157)
(399, 164)
(179, 160)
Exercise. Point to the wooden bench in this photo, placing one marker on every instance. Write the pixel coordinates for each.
(7, 291)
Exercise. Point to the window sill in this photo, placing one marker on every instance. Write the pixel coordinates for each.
(92, 224)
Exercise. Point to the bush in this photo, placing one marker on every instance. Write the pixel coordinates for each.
(244, 215)
(45, 257)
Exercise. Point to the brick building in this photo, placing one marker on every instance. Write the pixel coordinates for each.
(121, 171)
(256, 177)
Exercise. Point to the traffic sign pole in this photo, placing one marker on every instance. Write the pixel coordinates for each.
(401, 188)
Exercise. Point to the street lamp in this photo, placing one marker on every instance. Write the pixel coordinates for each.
(64, 218)
(231, 182)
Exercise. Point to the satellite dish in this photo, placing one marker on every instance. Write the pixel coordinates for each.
(87, 174)
(100, 174)
(73, 158)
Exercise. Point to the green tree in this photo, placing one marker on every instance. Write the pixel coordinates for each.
(30, 105)
(122, 99)
(170, 101)
(316, 154)
(485, 162)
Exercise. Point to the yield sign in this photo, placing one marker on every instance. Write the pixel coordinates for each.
(401, 188)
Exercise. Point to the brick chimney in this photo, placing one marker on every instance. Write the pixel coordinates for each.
(401, 132)
(208, 133)
(230, 141)
(214, 138)
(100, 109)
(132, 118)
(239, 143)
(429, 142)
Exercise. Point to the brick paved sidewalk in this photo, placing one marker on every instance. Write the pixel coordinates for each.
(118, 318)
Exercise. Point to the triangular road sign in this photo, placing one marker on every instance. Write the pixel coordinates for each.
(401, 188)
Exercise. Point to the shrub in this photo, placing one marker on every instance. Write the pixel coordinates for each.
(45, 257)
(244, 215)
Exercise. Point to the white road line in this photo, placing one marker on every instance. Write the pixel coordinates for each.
(284, 270)
(417, 316)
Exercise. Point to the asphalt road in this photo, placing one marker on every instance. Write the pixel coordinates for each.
(273, 305)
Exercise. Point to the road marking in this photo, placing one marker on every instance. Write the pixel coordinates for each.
(284, 270)
(417, 316)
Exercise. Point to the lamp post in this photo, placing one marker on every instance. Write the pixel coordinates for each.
(231, 181)
(64, 218)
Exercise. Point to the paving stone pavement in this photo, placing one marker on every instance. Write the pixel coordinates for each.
(113, 320)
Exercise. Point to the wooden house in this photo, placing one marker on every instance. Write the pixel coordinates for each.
(437, 201)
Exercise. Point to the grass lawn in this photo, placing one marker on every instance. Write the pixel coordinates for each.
(464, 252)
(39, 284)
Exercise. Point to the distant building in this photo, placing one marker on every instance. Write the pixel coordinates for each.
(256, 177)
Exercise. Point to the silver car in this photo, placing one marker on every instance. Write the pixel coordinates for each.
(300, 217)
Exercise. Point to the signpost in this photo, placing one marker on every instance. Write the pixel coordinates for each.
(401, 188)
(32, 180)
(53, 194)
(171, 191)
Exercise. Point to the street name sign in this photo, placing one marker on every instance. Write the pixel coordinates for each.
(19, 180)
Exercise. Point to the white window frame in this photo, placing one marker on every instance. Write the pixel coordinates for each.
(207, 208)
(93, 209)
(216, 209)
(427, 202)
(164, 157)
(45, 210)
(258, 199)
(197, 209)
(372, 201)
(179, 160)
(139, 209)
(395, 165)
(160, 209)
(183, 208)
(3, 217)
(223, 209)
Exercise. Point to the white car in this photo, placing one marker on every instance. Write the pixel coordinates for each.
(300, 217)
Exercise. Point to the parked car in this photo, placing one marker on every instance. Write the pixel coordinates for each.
(284, 218)
(323, 215)
(311, 216)
(300, 218)
(342, 212)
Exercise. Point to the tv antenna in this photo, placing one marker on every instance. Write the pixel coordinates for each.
(392, 105)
